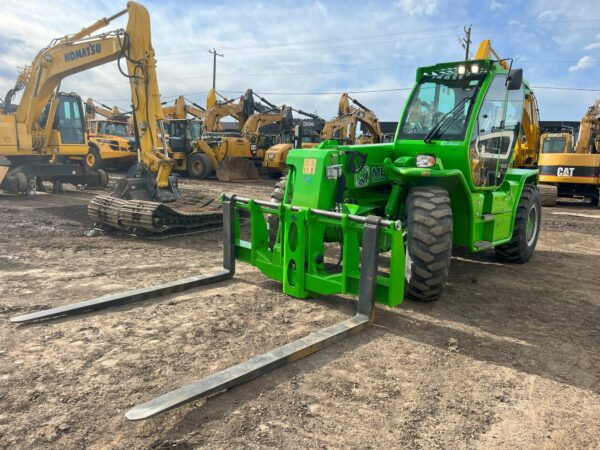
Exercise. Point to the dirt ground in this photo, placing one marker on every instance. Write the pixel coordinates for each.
(508, 358)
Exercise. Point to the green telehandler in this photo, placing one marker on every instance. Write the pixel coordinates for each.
(445, 181)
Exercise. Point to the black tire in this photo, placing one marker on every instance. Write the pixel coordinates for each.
(93, 160)
(526, 229)
(548, 194)
(102, 178)
(199, 166)
(428, 243)
(273, 221)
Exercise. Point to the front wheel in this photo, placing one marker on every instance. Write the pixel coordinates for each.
(199, 166)
(526, 228)
(93, 160)
(428, 247)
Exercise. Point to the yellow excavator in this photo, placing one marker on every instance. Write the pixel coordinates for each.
(48, 125)
(43, 140)
(573, 169)
(110, 140)
(342, 128)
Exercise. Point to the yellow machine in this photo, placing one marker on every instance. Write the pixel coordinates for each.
(188, 138)
(40, 138)
(47, 128)
(110, 140)
(235, 158)
(573, 169)
(342, 128)
(200, 151)
(180, 110)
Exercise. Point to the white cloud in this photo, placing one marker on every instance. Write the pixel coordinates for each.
(495, 5)
(418, 7)
(548, 16)
(584, 63)
(592, 46)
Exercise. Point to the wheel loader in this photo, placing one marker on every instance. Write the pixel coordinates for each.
(377, 221)
(110, 140)
(199, 146)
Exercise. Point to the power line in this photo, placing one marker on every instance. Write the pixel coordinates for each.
(371, 91)
(560, 88)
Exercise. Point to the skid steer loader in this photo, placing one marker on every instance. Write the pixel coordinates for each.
(447, 179)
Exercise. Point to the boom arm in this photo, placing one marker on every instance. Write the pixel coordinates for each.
(344, 125)
(589, 129)
(92, 108)
(258, 120)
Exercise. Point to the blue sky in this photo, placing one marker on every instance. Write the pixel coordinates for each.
(292, 47)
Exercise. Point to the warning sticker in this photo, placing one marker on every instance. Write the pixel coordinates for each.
(310, 165)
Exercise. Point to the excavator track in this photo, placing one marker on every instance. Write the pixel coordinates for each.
(151, 218)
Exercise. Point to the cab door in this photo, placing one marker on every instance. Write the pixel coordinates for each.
(497, 129)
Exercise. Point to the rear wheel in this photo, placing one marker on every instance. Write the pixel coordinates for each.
(199, 166)
(428, 246)
(526, 229)
(93, 160)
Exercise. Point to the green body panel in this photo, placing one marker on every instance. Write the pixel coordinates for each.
(375, 180)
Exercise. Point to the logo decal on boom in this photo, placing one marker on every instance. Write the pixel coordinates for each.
(90, 50)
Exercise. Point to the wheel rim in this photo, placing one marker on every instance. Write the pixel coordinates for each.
(197, 167)
(532, 225)
(90, 159)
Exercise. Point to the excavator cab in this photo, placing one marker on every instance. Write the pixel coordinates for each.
(69, 119)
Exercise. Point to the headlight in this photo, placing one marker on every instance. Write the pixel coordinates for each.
(271, 156)
(424, 161)
(461, 69)
(475, 68)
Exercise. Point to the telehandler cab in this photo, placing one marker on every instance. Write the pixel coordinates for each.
(445, 180)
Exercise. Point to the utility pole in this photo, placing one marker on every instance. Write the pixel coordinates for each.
(215, 54)
(466, 41)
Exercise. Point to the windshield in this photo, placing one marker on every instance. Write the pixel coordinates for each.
(115, 129)
(554, 145)
(433, 100)
(194, 131)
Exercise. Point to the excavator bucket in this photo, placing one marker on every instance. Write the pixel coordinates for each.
(140, 184)
(236, 169)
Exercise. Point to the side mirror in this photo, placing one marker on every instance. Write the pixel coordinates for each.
(515, 79)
